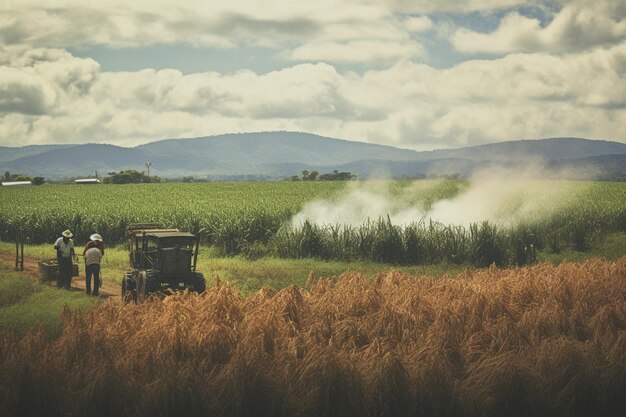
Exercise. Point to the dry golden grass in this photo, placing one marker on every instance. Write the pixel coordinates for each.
(534, 341)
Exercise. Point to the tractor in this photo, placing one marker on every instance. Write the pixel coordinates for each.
(162, 260)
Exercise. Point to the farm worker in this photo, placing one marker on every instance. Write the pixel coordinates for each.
(93, 256)
(94, 242)
(65, 252)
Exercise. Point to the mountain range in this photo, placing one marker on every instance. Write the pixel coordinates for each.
(274, 155)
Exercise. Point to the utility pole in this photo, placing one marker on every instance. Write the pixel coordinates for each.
(148, 164)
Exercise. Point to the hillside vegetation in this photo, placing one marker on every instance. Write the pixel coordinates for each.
(280, 154)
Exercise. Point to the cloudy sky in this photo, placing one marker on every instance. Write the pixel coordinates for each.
(417, 74)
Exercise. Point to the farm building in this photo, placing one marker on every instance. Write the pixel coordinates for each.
(87, 181)
(12, 183)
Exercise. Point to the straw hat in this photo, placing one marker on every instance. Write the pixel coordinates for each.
(96, 237)
(67, 233)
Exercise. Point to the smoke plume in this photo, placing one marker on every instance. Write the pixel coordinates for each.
(495, 196)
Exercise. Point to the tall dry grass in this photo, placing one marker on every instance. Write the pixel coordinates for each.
(534, 341)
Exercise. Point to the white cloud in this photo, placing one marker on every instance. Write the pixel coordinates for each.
(519, 96)
(49, 95)
(579, 25)
(40, 81)
(116, 23)
(433, 6)
(378, 52)
(348, 31)
(514, 33)
(307, 25)
(301, 91)
(69, 99)
(24, 92)
(418, 24)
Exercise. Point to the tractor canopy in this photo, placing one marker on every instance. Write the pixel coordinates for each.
(169, 251)
(161, 259)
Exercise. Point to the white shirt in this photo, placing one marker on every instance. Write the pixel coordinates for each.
(93, 256)
(66, 250)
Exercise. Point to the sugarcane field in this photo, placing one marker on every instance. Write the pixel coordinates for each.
(385, 317)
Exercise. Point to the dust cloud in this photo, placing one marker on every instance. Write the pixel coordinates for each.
(498, 196)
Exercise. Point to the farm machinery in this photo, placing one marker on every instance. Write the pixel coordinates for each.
(161, 259)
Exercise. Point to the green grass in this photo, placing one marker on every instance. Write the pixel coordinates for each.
(250, 275)
(26, 303)
(611, 247)
(247, 275)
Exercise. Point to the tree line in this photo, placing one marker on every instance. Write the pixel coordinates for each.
(130, 176)
(315, 175)
(8, 177)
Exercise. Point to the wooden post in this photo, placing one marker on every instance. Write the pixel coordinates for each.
(19, 250)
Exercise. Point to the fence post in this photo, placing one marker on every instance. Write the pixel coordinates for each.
(19, 250)
(22, 252)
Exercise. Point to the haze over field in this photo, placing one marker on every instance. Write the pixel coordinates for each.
(413, 74)
(491, 196)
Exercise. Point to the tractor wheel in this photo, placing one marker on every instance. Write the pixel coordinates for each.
(128, 294)
(142, 286)
(198, 284)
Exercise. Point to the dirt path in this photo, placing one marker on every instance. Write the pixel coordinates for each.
(31, 268)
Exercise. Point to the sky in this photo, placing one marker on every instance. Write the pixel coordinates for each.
(416, 74)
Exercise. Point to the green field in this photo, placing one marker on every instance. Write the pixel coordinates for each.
(43, 212)
(26, 303)
(253, 219)
(248, 276)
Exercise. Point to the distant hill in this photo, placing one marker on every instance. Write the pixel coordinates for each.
(543, 149)
(11, 154)
(281, 154)
(263, 153)
(604, 167)
(76, 160)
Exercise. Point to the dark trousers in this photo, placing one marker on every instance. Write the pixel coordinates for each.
(93, 269)
(64, 279)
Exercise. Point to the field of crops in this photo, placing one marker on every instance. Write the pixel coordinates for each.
(397, 222)
(535, 341)
(250, 211)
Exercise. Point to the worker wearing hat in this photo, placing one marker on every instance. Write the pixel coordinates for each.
(95, 241)
(65, 252)
(94, 249)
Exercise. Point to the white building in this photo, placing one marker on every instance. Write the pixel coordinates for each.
(12, 183)
(87, 181)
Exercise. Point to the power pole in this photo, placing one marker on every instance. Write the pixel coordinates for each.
(148, 164)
